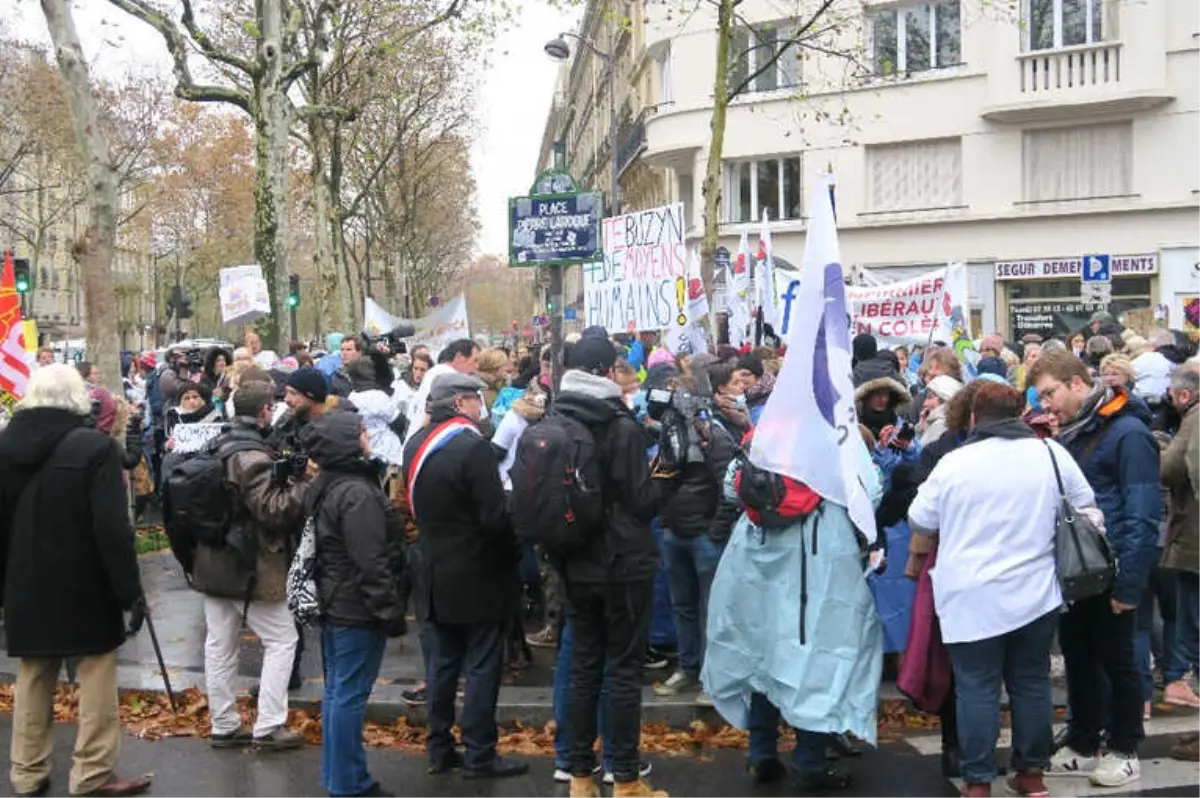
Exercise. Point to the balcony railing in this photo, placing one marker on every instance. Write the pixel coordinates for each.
(632, 140)
(1070, 69)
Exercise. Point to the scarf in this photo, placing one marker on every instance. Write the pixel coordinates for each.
(876, 420)
(1100, 396)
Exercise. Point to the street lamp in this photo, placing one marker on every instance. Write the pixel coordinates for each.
(559, 50)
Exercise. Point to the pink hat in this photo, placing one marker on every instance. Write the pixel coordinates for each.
(993, 342)
(660, 357)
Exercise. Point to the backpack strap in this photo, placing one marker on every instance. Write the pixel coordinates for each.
(442, 434)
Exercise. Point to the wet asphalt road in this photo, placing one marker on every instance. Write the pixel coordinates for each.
(190, 767)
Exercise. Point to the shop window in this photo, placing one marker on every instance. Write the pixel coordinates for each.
(1053, 307)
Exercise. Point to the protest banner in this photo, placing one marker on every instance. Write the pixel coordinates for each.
(913, 311)
(376, 320)
(446, 324)
(243, 295)
(193, 437)
(637, 284)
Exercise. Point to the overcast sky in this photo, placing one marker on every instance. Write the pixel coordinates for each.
(513, 98)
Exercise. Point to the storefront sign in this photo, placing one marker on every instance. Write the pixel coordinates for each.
(1120, 266)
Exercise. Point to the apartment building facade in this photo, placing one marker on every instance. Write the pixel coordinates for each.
(1014, 140)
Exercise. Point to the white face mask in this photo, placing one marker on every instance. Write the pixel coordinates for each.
(739, 401)
(630, 400)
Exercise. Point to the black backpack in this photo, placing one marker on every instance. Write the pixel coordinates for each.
(198, 500)
(557, 491)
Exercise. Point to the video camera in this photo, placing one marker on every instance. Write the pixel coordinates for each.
(289, 465)
(392, 341)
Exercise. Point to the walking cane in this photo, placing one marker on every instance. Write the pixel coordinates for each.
(162, 666)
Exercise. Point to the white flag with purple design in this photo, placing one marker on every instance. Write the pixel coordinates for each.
(809, 427)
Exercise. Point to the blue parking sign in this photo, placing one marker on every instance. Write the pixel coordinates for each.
(1096, 269)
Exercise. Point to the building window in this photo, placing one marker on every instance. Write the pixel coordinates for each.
(1051, 24)
(915, 175)
(751, 48)
(916, 38)
(686, 188)
(1071, 163)
(665, 95)
(754, 186)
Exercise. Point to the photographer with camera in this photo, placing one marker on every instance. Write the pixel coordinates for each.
(697, 520)
(247, 580)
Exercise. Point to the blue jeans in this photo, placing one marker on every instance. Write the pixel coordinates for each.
(562, 692)
(1160, 593)
(662, 620)
(1186, 649)
(1021, 659)
(352, 659)
(691, 565)
(810, 754)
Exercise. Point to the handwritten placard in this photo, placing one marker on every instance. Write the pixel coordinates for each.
(642, 281)
(193, 437)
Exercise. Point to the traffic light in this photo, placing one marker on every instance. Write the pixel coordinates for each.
(21, 278)
(185, 309)
(293, 299)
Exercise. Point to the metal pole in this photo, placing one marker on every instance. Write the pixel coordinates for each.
(556, 332)
(162, 665)
(295, 330)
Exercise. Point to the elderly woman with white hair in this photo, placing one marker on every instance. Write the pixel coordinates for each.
(69, 576)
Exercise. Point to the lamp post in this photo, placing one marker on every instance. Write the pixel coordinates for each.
(559, 50)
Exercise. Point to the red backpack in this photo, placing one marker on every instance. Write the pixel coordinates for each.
(772, 501)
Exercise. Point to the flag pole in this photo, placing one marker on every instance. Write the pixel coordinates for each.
(832, 191)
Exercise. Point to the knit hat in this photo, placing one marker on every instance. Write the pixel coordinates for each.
(864, 347)
(594, 355)
(944, 387)
(1101, 316)
(307, 381)
(660, 357)
(595, 331)
(993, 342)
(991, 365)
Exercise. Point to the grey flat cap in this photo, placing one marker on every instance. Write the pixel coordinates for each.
(450, 385)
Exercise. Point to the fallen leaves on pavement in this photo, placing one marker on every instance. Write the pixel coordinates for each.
(148, 715)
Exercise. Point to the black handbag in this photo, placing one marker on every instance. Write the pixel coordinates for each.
(1085, 563)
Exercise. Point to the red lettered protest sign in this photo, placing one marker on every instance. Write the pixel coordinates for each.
(909, 311)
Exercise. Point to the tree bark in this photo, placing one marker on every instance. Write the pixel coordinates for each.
(271, 185)
(94, 248)
(711, 188)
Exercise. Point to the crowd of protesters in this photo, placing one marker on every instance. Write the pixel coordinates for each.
(409, 478)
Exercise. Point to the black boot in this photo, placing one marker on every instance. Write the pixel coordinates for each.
(825, 780)
(951, 768)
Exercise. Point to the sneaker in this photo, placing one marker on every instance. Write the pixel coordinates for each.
(644, 769)
(547, 638)
(1028, 783)
(240, 738)
(637, 789)
(279, 740)
(376, 791)
(976, 791)
(499, 768)
(704, 699)
(1116, 770)
(1066, 762)
(415, 696)
(656, 660)
(1146, 711)
(563, 775)
(1180, 694)
(679, 682)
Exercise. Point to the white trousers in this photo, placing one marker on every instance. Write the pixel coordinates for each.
(273, 624)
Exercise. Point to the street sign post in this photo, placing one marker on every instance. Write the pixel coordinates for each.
(1096, 280)
(557, 225)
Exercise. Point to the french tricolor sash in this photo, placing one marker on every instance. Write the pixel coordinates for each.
(441, 435)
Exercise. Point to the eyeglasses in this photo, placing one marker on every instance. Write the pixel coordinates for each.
(1046, 395)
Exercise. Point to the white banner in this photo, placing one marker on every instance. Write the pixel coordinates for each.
(243, 295)
(635, 287)
(444, 326)
(193, 437)
(909, 311)
(376, 320)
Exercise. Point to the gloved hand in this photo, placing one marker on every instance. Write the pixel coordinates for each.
(137, 617)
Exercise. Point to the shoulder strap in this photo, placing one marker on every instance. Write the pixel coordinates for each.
(1062, 493)
(441, 435)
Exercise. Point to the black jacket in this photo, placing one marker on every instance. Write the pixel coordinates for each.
(69, 567)
(356, 571)
(469, 552)
(696, 504)
(626, 552)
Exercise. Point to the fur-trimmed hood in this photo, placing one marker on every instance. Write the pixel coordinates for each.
(899, 394)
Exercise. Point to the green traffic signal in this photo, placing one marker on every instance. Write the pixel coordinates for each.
(293, 301)
(21, 279)
(22, 286)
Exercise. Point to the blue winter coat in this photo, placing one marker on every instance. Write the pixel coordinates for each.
(819, 660)
(892, 590)
(1119, 457)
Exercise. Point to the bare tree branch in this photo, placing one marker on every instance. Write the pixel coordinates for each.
(206, 45)
(797, 37)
